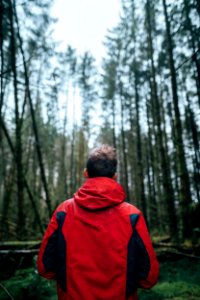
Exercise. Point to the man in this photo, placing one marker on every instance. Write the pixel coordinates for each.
(97, 246)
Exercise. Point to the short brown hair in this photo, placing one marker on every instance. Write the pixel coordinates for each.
(102, 162)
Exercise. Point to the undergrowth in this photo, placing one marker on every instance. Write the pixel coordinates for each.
(179, 280)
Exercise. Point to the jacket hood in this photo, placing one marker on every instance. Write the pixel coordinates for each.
(99, 192)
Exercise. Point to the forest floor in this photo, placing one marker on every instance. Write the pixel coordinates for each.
(179, 280)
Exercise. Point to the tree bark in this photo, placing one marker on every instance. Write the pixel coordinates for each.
(35, 130)
(192, 40)
(139, 168)
(113, 122)
(37, 215)
(154, 218)
(18, 141)
(124, 148)
(166, 178)
(185, 195)
(193, 133)
(2, 55)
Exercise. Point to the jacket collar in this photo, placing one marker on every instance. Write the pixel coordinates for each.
(99, 192)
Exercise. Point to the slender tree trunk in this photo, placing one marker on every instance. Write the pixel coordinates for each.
(132, 153)
(154, 220)
(174, 158)
(195, 145)
(113, 122)
(63, 165)
(82, 151)
(6, 201)
(140, 192)
(37, 215)
(72, 164)
(166, 178)
(33, 203)
(18, 146)
(124, 148)
(1, 80)
(156, 166)
(185, 196)
(139, 169)
(2, 55)
(35, 130)
(192, 39)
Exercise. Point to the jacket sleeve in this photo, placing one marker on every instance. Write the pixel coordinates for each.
(46, 261)
(148, 266)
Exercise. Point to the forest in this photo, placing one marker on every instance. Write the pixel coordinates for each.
(144, 99)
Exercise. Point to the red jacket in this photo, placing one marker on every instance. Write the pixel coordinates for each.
(97, 246)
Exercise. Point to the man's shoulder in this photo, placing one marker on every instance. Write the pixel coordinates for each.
(129, 208)
(63, 206)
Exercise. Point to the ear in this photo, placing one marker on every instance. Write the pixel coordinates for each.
(85, 173)
(114, 176)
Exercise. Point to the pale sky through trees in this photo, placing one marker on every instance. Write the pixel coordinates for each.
(83, 24)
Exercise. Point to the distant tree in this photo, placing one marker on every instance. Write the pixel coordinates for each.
(185, 195)
(108, 84)
(163, 155)
(86, 79)
(18, 134)
(192, 132)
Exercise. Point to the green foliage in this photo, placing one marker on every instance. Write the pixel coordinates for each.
(178, 280)
(172, 290)
(27, 284)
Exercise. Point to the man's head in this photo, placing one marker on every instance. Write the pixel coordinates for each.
(102, 162)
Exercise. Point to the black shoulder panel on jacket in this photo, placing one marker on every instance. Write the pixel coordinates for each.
(131, 279)
(134, 219)
(49, 256)
(54, 257)
(138, 263)
(61, 252)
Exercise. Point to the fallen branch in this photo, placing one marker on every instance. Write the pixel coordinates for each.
(23, 251)
(175, 253)
(6, 291)
(168, 245)
(9, 245)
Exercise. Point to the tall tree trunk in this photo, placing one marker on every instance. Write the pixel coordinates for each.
(113, 122)
(35, 130)
(154, 218)
(166, 179)
(72, 158)
(195, 145)
(132, 152)
(81, 157)
(194, 48)
(9, 180)
(185, 196)
(18, 141)
(156, 166)
(37, 215)
(174, 154)
(139, 186)
(139, 168)
(63, 165)
(2, 55)
(124, 148)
